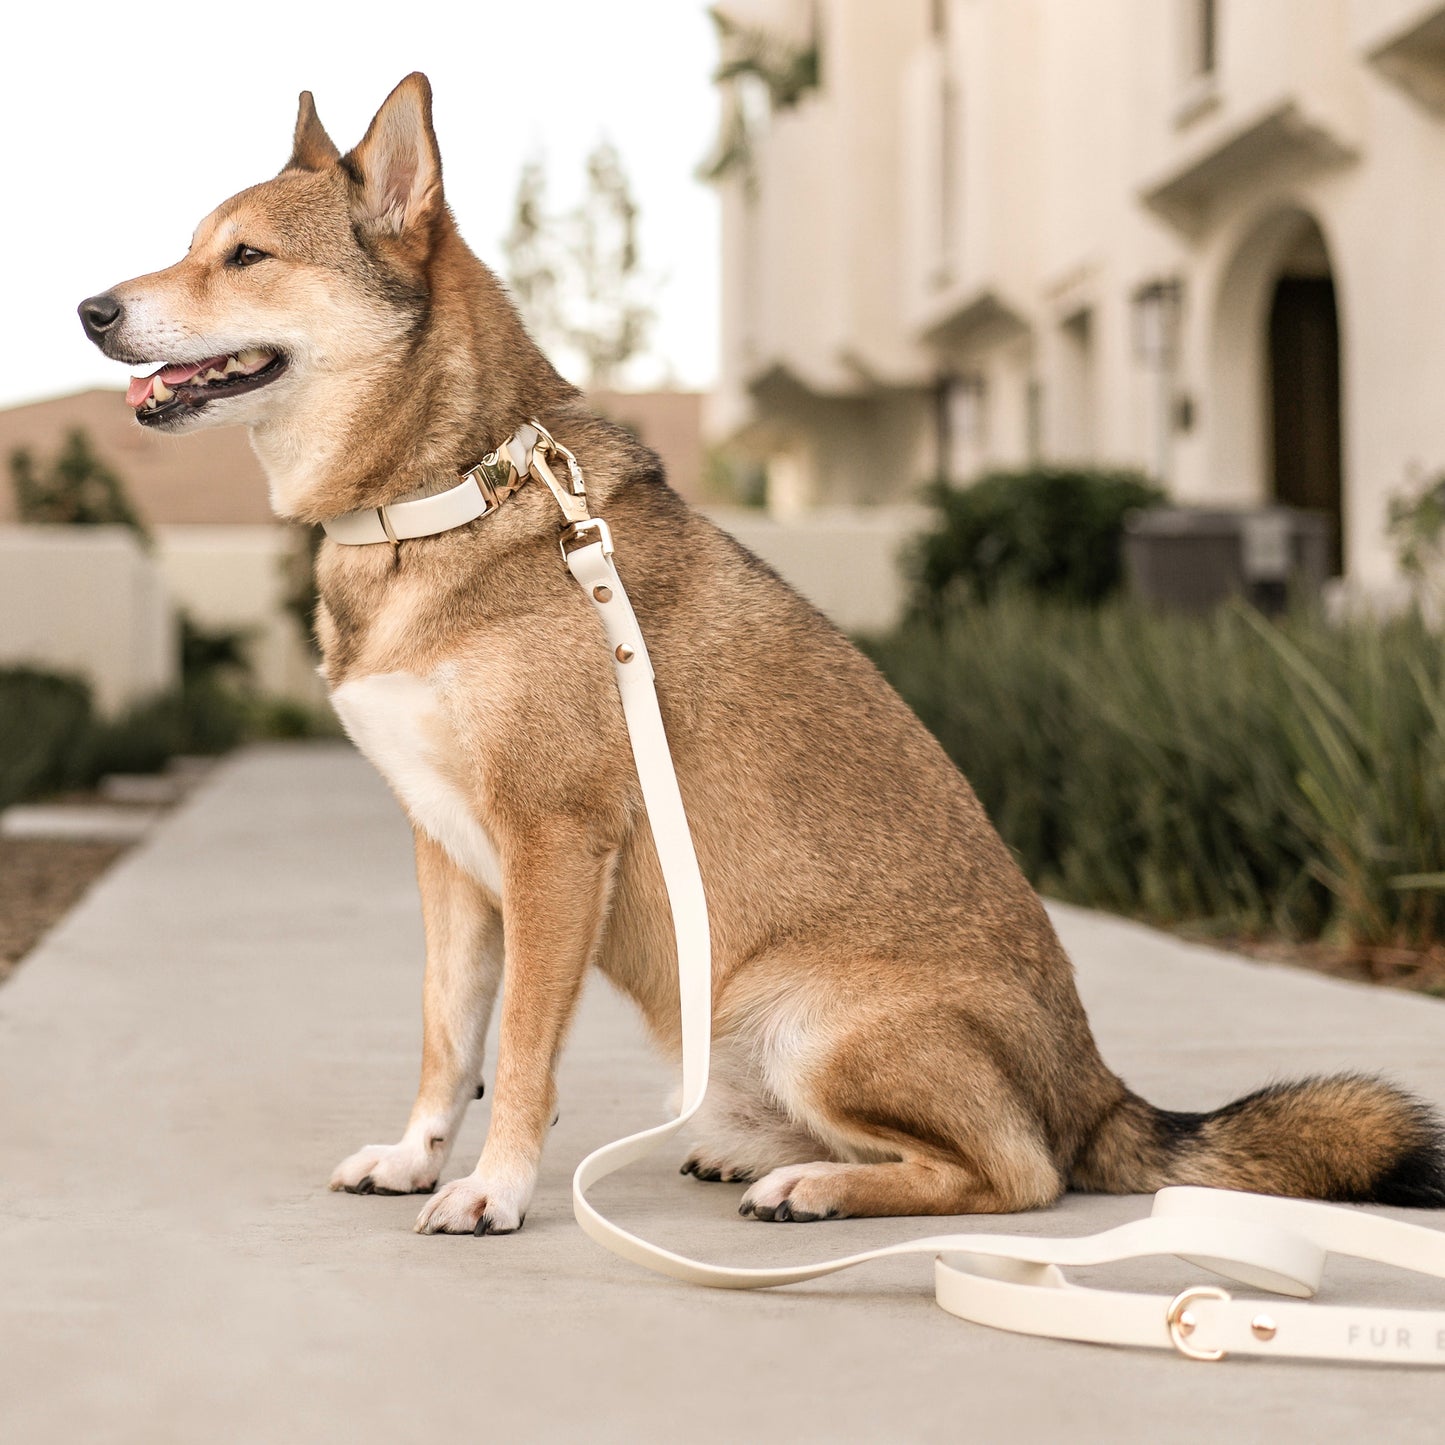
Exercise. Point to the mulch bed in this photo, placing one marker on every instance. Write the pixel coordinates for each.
(42, 879)
(1417, 972)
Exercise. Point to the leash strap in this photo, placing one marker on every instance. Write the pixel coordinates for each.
(1011, 1282)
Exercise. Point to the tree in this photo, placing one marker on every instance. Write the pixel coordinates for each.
(578, 277)
(530, 248)
(76, 489)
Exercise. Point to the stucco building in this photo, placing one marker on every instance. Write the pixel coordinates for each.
(1201, 237)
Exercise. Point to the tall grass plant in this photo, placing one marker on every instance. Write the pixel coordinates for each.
(1263, 777)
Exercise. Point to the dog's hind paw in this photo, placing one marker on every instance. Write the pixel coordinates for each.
(388, 1169)
(473, 1205)
(712, 1171)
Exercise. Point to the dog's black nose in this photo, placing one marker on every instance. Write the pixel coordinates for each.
(98, 314)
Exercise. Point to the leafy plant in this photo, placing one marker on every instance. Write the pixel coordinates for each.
(75, 488)
(1417, 527)
(210, 653)
(45, 725)
(733, 479)
(1055, 532)
(203, 717)
(756, 64)
(51, 739)
(298, 581)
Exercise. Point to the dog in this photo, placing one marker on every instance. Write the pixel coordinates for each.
(896, 1026)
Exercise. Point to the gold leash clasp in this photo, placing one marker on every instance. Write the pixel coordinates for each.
(574, 502)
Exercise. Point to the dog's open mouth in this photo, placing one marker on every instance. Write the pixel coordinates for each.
(188, 386)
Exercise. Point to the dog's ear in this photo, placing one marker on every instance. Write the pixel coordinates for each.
(397, 167)
(312, 149)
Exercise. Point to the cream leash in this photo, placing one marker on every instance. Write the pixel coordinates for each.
(1011, 1282)
(1014, 1282)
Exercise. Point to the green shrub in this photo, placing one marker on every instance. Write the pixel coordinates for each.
(1056, 532)
(214, 654)
(1282, 777)
(45, 723)
(203, 717)
(50, 738)
(285, 719)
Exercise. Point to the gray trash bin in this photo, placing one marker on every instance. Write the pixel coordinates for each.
(1194, 558)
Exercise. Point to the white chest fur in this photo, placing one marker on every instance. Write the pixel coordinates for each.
(397, 721)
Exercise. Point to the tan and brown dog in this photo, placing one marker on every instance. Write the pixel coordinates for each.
(896, 1026)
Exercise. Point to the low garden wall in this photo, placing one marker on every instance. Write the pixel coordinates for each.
(88, 601)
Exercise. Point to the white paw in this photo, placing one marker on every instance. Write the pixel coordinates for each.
(403, 1168)
(800, 1192)
(474, 1205)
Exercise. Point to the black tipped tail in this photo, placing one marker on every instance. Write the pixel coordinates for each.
(1349, 1138)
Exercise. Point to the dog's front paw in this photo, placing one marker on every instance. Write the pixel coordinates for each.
(387, 1169)
(799, 1193)
(473, 1205)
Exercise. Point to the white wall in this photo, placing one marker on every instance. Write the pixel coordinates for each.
(236, 577)
(88, 600)
(93, 601)
(843, 560)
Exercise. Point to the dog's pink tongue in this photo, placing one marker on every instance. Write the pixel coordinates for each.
(140, 386)
(171, 375)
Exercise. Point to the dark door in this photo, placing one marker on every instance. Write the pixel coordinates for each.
(1304, 365)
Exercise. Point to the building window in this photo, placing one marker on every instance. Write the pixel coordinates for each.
(944, 153)
(1158, 331)
(1074, 402)
(962, 427)
(947, 168)
(1201, 39)
(1034, 420)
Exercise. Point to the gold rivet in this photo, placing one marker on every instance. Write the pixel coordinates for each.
(1263, 1327)
(1187, 1324)
(601, 593)
(624, 652)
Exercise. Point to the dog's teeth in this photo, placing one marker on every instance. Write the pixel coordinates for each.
(150, 403)
(214, 375)
(233, 365)
(252, 357)
(160, 392)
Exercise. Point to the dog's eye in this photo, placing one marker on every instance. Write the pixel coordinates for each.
(245, 256)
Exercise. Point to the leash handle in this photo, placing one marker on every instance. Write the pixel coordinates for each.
(1010, 1282)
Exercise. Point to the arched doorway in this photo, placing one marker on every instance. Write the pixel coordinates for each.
(1276, 434)
(1304, 386)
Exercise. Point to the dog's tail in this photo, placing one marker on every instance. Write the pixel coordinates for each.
(1350, 1138)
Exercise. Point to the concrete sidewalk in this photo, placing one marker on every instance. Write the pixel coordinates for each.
(235, 1008)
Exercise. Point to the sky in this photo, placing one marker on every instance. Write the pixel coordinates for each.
(123, 126)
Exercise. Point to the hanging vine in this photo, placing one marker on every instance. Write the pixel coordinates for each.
(758, 70)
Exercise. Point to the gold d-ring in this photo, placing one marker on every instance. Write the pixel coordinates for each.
(1182, 1322)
